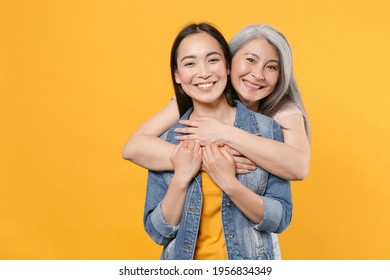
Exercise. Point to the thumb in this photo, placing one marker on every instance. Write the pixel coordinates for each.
(226, 154)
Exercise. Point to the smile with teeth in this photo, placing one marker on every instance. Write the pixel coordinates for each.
(205, 85)
(251, 85)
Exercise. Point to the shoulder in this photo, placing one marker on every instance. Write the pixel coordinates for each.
(287, 109)
(291, 119)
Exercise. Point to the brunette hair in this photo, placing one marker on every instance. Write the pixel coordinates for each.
(184, 102)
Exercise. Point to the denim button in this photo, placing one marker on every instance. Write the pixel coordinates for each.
(231, 235)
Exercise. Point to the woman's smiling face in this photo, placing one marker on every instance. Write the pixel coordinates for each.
(255, 72)
(202, 69)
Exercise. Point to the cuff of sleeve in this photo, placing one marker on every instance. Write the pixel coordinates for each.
(161, 225)
(273, 212)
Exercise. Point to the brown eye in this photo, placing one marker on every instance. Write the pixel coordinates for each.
(214, 60)
(189, 64)
(273, 67)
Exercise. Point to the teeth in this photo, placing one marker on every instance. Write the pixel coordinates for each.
(252, 85)
(205, 85)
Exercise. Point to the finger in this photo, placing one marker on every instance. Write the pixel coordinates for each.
(244, 166)
(184, 144)
(191, 145)
(196, 146)
(180, 146)
(231, 151)
(185, 130)
(249, 167)
(185, 137)
(242, 171)
(227, 149)
(207, 152)
(235, 151)
(244, 160)
(227, 155)
(249, 162)
(205, 166)
(200, 151)
(214, 149)
(205, 158)
(177, 147)
(190, 123)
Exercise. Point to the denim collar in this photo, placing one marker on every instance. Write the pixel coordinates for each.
(246, 119)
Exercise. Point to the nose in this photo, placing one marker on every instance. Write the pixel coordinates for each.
(204, 71)
(258, 73)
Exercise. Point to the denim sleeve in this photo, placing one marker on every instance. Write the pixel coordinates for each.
(277, 200)
(154, 222)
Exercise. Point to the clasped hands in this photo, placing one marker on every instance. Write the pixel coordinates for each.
(219, 161)
(207, 131)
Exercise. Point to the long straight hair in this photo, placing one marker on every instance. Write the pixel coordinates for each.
(286, 88)
(184, 102)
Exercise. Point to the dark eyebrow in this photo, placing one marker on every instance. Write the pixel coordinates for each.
(258, 57)
(187, 57)
(193, 56)
(212, 53)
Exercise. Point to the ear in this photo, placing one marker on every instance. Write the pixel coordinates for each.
(177, 77)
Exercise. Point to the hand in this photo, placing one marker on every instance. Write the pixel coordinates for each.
(186, 159)
(203, 130)
(219, 164)
(243, 165)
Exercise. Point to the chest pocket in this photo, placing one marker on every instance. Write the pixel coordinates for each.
(255, 180)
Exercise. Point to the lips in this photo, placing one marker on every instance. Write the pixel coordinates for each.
(252, 85)
(205, 85)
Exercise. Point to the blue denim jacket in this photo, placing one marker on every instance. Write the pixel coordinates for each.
(244, 239)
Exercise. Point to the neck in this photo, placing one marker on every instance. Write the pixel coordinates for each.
(219, 110)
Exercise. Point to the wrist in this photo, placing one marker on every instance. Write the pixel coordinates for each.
(229, 185)
(180, 181)
(228, 135)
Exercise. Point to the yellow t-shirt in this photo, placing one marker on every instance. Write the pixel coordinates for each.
(210, 244)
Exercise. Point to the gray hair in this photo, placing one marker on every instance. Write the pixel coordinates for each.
(286, 88)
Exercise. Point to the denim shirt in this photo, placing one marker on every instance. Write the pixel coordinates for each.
(244, 239)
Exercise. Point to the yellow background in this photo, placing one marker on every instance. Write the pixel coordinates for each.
(78, 77)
